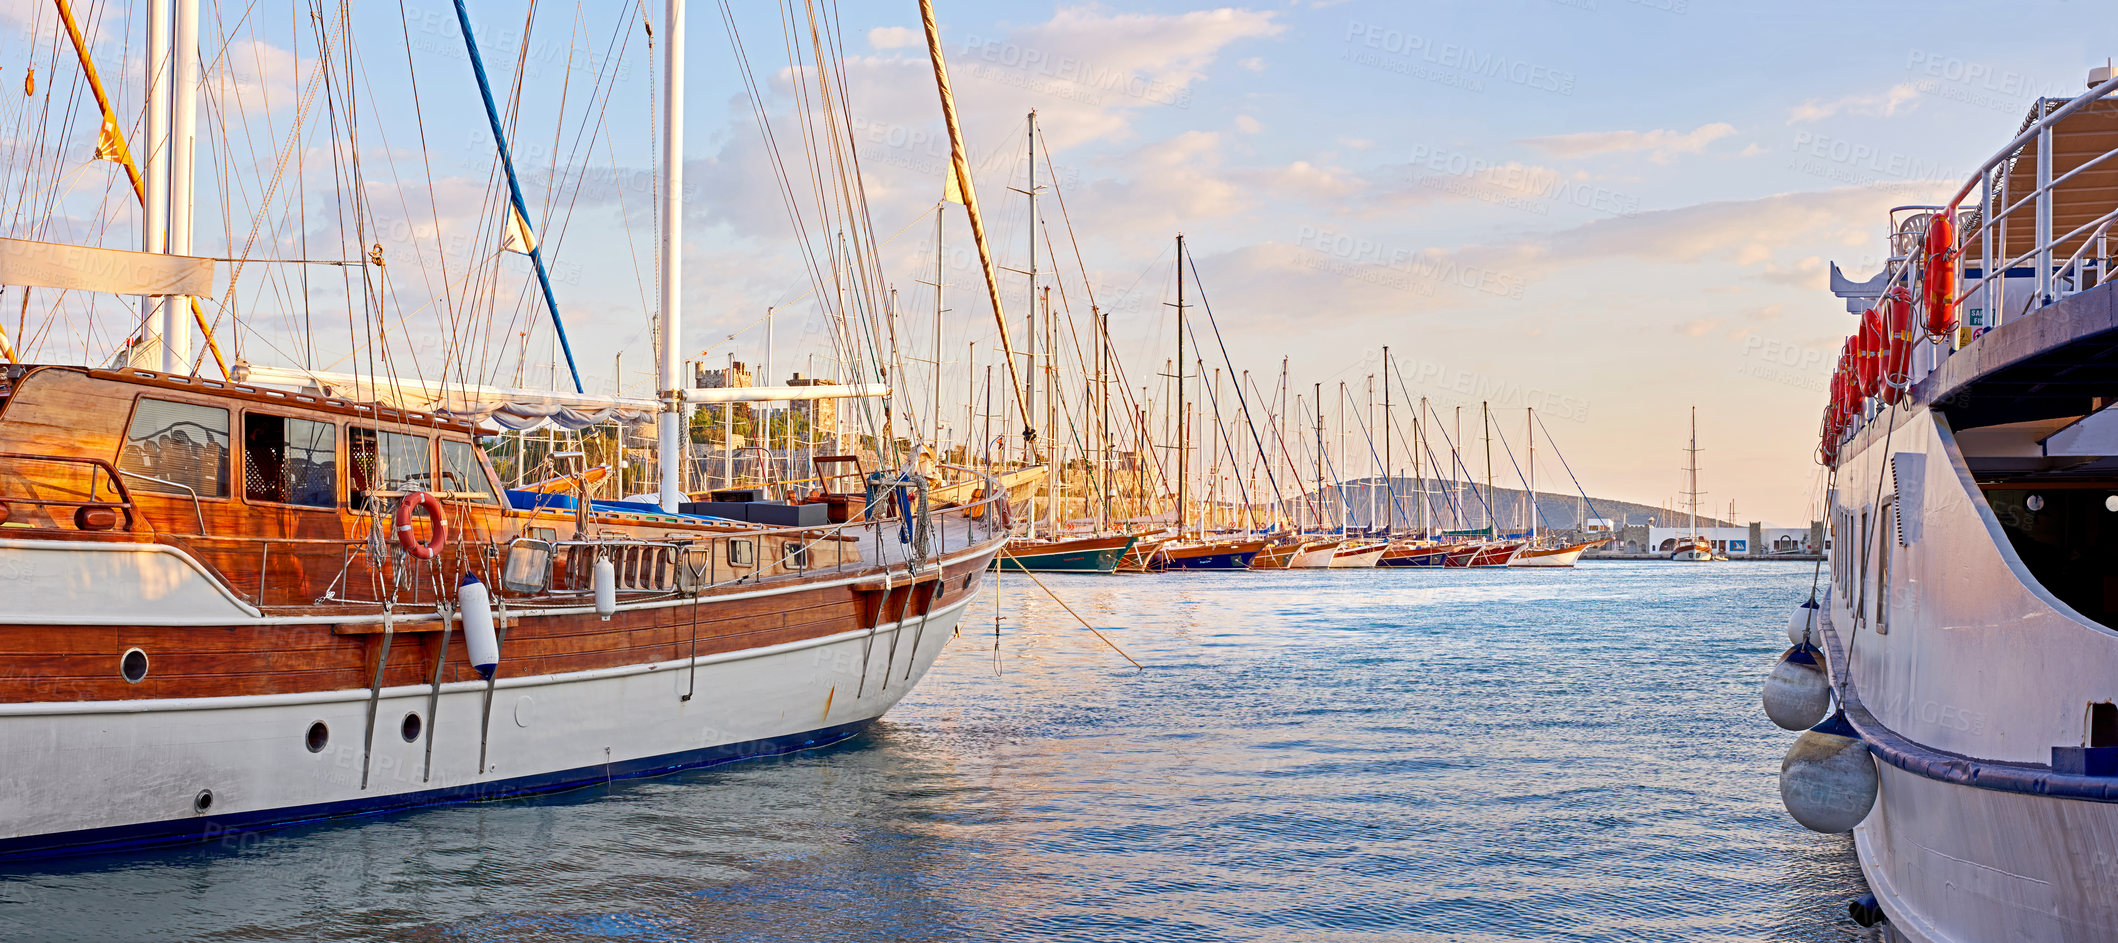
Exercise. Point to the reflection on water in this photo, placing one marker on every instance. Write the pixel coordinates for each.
(1312, 755)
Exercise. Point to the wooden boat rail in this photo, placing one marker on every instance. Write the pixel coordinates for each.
(123, 504)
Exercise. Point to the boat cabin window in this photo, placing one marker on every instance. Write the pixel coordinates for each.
(462, 475)
(176, 448)
(290, 461)
(2066, 534)
(386, 461)
(742, 552)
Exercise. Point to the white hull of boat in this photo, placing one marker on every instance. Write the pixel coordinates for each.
(1976, 664)
(136, 769)
(1552, 558)
(1358, 558)
(1314, 558)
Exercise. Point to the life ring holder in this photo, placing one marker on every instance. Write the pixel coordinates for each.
(415, 500)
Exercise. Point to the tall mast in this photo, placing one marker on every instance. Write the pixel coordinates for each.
(155, 228)
(938, 309)
(1029, 316)
(670, 439)
(1389, 429)
(1529, 422)
(1419, 478)
(184, 109)
(1318, 392)
(1102, 321)
(1693, 451)
(1457, 470)
(1485, 418)
(1183, 441)
(1057, 490)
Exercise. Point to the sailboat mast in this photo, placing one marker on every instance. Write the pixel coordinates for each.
(1694, 454)
(1183, 441)
(1485, 414)
(938, 309)
(670, 442)
(1318, 393)
(1389, 478)
(184, 112)
(155, 234)
(1029, 316)
(1529, 422)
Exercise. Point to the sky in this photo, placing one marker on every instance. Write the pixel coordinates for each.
(1606, 210)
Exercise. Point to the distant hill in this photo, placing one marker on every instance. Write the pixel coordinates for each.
(1555, 511)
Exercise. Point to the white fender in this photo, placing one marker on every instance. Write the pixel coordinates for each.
(476, 605)
(606, 588)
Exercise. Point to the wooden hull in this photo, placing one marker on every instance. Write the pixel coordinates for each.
(1080, 555)
(1483, 556)
(1213, 556)
(189, 669)
(1550, 556)
(1357, 556)
(1403, 556)
(1315, 555)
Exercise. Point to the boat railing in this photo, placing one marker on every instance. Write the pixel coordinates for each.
(1996, 209)
(99, 487)
(2089, 261)
(198, 510)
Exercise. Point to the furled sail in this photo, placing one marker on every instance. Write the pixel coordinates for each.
(92, 268)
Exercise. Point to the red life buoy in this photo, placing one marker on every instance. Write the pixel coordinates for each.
(411, 544)
(1899, 338)
(1938, 281)
(1868, 351)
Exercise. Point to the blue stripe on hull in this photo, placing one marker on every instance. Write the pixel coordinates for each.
(1429, 560)
(119, 838)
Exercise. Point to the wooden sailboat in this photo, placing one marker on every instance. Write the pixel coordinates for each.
(236, 604)
(1541, 552)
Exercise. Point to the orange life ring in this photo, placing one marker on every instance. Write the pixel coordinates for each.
(412, 545)
(1938, 281)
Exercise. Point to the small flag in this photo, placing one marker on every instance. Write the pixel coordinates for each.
(520, 238)
(952, 190)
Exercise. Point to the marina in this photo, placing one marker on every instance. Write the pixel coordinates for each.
(994, 471)
(1268, 777)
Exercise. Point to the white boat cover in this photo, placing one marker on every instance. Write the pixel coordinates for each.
(92, 268)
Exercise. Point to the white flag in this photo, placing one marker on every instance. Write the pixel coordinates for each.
(520, 237)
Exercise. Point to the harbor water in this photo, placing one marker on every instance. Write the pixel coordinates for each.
(1308, 755)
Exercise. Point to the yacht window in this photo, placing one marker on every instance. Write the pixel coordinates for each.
(462, 474)
(742, 552)
(385, 461)
(176, 448)
(290, 461)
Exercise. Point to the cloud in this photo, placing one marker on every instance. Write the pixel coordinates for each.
(1902, 96)
(1254, 63)
(1661, 145)
(894, 37)
(1248, 124)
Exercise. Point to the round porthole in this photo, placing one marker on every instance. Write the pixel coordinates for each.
(133, 665)
(2111, 503)
(410, 728)
(967, 582)
(2034, 502)
(318, 738)
(202, 802)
